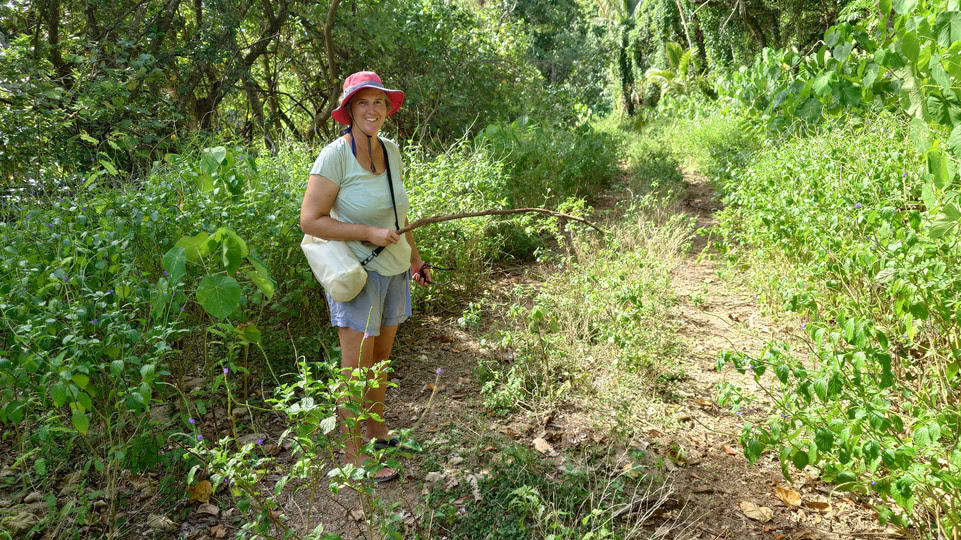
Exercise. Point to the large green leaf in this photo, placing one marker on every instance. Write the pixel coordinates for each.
(80, 421)
(262, 281)
(219, 295)
(945, 110)
(910, 46)
(842, 51)
(954, 142)
(810, 110)
(196, 247)
(938, 167)
(232, 253)
(870, 75)
(175, 263)
(904, 6)
(885, 9)
(940, 76)
(212, 158)
(849, 94)
(822, 83)
(947, 28)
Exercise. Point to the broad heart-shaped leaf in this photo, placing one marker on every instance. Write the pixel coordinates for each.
(945, 110)
(824, 439)
(947, 28)
(80, 421)
(940, 226)
(232, 255)
(175, 263)
(224, 232)
(196, 247)
(954, 142)
(810, 110)
(904, 6)
(822, 83)
(842, 51)
(212, 158)
(219, 295)
(938, 167)
(263, 282)
(870, 75)
(910, 46)
(885, 9)
(940, 75)
(849, 94)
(59, 394)
(918, 133)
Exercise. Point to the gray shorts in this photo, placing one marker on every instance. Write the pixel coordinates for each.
(385, 298)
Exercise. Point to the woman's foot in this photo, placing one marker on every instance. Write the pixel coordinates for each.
(384, 474)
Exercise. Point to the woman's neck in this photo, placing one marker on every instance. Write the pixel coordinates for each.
(361, 140)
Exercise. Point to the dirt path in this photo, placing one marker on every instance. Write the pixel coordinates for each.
(716, 314)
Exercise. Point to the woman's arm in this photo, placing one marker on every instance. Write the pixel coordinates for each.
(315, 217)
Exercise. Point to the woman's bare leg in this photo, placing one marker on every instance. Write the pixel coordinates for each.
(357, 351)
(374, 400)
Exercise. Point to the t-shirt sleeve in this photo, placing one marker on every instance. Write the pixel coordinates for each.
(329, 165)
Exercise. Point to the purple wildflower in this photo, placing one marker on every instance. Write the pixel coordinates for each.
(66, 279)
(750, 367)
(858, 206)
(110, 291)
(804, 325)
(226, 371)
(366, 335)
(165, 273)
(200, 437)
(95, 321)
(49, 225)
(181, 310)
(260, 442)
(904, 175)
(873, 483)
(439, 371)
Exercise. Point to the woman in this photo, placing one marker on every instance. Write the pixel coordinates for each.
(348, 198)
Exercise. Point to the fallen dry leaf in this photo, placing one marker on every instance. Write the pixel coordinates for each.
(429, 387)
(544, 447)
(755, 512)
(201, 492)
(208, 508)
(218, 531)
(788, 496)
(160, 523)
(728, 450)
(818, 505)
(357, 515)
(704, 402)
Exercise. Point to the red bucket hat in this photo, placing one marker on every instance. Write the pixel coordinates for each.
(357, 82)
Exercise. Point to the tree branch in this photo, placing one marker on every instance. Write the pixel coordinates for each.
(440, 219)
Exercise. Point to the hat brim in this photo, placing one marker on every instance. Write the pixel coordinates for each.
(341, 114)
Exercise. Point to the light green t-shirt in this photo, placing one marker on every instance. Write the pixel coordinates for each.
(364, 198)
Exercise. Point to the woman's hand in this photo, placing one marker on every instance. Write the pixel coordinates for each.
(380, 236)
(418, 275)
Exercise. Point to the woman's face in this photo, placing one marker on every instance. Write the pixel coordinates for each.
(368, 108)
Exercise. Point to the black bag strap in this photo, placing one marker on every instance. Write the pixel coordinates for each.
(393, 203)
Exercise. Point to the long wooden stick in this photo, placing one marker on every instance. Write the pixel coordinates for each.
(439, 219)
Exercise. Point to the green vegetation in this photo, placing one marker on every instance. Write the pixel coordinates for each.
(153, 159)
